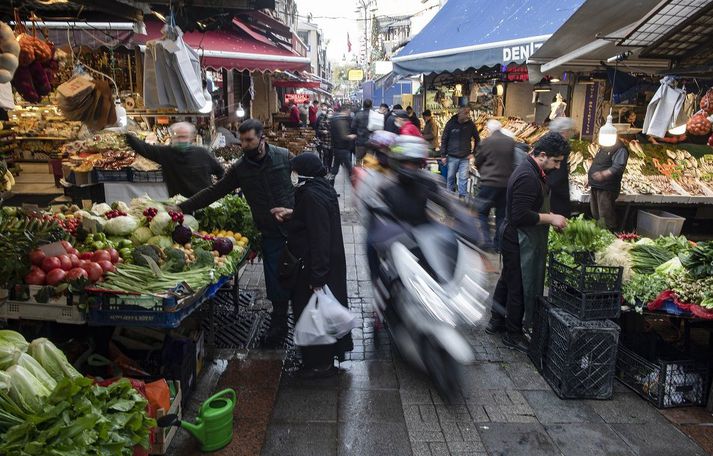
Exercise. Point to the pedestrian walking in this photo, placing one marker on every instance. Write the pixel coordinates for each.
(605, 176)
(523, 243)
(313, 114)
(315, 238)
(430, 129)
(325, 136)
(294, 119)
(494, 161)
(263, 175)
(304, 113)
(390, 120)
(413, 117)
(187, 168)
(342, 140)
(558, 179)
(460, 138)
(405, 126)
(360, 128)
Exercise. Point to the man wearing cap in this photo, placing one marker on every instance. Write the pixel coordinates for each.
(460, 138)
(524, 240)
(494, 160)
(404, 125)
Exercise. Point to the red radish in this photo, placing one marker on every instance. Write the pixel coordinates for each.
(35, 277)
(74, 259)
(55, 276)
(66, 245)
(100, 255)
(114, 255)
(76, 273)
(94, 271)
(50, 263)
(65, 262)
(107, 266)
(36, 257)
(86, 256)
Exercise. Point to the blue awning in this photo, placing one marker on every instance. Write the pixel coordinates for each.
(476, 33)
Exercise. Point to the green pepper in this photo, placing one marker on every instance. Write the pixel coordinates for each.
(89, 239)
(125, 253)
(125, 243)
(99, 245)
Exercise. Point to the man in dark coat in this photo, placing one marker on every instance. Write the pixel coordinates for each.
(315, 237)
(263, 175)
(459, 140)
(390, 120)
(359, 127)
(342, 139)
(559, 179)
(605, 176)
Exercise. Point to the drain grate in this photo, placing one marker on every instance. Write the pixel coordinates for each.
(235, 326)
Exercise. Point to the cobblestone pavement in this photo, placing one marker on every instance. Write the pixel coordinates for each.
(378, 405)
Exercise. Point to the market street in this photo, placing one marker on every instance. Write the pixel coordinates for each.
(379, 405)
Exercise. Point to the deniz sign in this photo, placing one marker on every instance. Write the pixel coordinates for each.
(522, 52)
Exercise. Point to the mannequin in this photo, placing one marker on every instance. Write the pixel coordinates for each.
(558, 107)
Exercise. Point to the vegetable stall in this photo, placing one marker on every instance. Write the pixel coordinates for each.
(128, 283)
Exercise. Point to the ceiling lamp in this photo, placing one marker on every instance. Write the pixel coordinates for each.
(240, 112)
(679, 130)
(608, 133)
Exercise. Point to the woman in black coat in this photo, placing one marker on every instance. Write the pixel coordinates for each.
(315, 236)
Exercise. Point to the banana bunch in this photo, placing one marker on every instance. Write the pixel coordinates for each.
(635, 147)
(8, 181)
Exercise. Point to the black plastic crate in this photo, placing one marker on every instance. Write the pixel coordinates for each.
(580, 357)
(665, 383)
(587, 291)
(540, 333)
(111, 175)
(146, 176)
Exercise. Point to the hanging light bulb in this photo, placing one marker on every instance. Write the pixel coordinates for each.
(240, 112)
(608, 133)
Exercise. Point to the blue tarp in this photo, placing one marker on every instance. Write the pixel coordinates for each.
(476, 33)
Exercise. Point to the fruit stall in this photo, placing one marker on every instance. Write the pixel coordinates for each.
(659, 291)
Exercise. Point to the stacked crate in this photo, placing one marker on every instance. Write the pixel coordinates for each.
(574, 342)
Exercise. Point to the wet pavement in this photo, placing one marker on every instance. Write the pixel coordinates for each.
(379, 405)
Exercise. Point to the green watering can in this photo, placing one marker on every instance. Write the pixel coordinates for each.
(214, 424)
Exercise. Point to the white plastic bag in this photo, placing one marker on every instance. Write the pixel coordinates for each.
(376, 121)
(311, 327)
(339, 321)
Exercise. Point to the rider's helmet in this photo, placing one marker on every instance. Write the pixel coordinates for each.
(408, 155)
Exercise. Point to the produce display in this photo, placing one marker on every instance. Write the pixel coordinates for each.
(654, 270)
(524, 131)
(45, 403)
(43, 121)
(295, 140)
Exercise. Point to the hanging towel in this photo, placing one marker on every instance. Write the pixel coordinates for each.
(664, 108)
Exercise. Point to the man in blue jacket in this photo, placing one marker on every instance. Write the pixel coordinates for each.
(458, 141)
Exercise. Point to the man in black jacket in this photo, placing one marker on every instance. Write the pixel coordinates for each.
(605, 176)
(186, 168)
(341, 141)
(263, 175)
(524, 240)
(458, 141)
(359, 127)
(390, 120)
(559, 179)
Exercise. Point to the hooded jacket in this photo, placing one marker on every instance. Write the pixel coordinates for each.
(186, 171)
(456, 138)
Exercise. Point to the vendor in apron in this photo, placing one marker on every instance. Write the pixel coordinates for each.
(524, 240)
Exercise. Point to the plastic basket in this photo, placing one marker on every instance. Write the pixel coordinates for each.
(654, 223)
(587, 291)
(146, 176)
(60, 313)
(664, 383)
(111, 175)
(540, 333)
(580, 357)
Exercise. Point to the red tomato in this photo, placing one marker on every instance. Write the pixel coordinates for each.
(107, 266)
(65, 262)
(76, 273)
(86, 256)
(66, 245)
(114, 255)
(83, 263)
(55, 276)
(100, 255)
(36, 257)
(74, 259)
(50, 263)
(35, 277)
(94, 271)
(73, 251)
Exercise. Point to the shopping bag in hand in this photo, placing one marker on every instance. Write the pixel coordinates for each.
(311, 327)
(338, 319)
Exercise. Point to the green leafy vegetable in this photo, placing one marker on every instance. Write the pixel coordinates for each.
(11, 345)
(644, 288)
(647, 257)
(232, 213)
(52, 359)
(699, 260)
(33, 367)
(24, 388)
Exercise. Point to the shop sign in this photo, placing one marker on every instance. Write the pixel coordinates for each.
(520, 53)
(355, 74)
(517, 74)
(298, 98)
(590, 110)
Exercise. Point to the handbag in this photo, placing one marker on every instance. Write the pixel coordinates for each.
(289, 269)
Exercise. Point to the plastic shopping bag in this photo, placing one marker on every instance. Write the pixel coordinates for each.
(339, 321)
(311, 327)
(376, 121)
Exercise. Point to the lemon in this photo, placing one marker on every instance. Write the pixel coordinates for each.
(229, 233)
(238, 235)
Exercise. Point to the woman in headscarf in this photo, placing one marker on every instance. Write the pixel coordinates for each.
(315, 237)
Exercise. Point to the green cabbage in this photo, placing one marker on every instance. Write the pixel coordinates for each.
(163, 242)
(121, 226)
(52, 359)
(29, 363)
(11, 345)
(141, 235)
(669, 267)
(161, 223)
(190, 222)
(27, 392)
